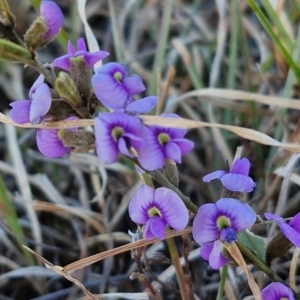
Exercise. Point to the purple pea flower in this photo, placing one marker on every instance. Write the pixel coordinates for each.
(237, 179)
(53, 17)
(113, 87)
(290, 230)
(116, 133)
(49, 142)
(32, 111)
(162, 144)
(277, 291)
(64, 62)
(220, 222)
(156, 209)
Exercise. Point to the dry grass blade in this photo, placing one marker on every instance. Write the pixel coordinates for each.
(245, 133)
(59, 270)
(293, 269)
(100, 256)
(79, 212)
(116, 296)
(241, 95)
(238, 257)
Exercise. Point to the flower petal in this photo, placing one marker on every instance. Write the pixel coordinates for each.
(295, 222)
(173, 210)
(49, 143)
(142, 106)
(206, 249)
(140, 203)
(109, 92)
(53, 16)
(41, 103)
(238, 183)
(147, 233)
(274, 217)
(107, 148)
(290, 233)
(20, 111)
(185, 145)
(133, 85)
(240, 166)
(214, 175)
(122, 147)
(205, 224)
(94, 57)
(63, 62)
(216, 258)
(151, 156)
(158, 227)
(275, 291)
(240, 214)
(81, 46)
(172, 151)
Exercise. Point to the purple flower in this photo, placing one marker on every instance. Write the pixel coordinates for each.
(220, 222)
(116, 133)
(277, 291)
(64, 62)
(49, 142)
(163, 143)
(53, 17)
(237, 179)
(113, 87)
(291, 230)
(156, 209)
(31, 111)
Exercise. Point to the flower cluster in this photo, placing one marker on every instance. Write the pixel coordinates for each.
(80, 88)
(219, 223)
(80, 93)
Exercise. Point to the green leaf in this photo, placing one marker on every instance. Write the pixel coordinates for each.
(9, 214)
(254, 243)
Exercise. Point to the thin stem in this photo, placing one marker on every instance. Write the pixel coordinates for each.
(222, 283)
(258, 263)
(47, 72)
(180, 275)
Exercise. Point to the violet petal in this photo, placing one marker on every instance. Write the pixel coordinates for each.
(240, 166)
(20, 111)
(140, 203)
(204, 227)
(173, 210)
(214, 175)
(142, 106)
(276, 291)
(158, 227)
(240, 214)
(216, 258)
(238, 183)
(133, 85)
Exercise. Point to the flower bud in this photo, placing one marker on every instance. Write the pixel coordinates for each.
(46, 27)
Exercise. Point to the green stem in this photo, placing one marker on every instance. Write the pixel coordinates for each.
(180, 275)
(268, 27)
(47, 72)
(258, 263)
(222, 283)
